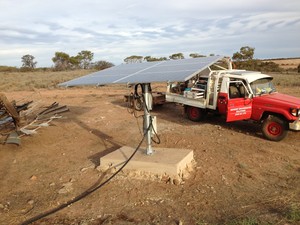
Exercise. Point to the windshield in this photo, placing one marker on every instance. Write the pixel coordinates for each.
(262, 86)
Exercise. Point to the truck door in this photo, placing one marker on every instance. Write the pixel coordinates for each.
(239, 105)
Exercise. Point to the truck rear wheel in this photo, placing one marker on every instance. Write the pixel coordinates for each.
(195, 114)
(274, 128)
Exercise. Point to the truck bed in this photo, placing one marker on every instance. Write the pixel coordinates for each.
(178, 98)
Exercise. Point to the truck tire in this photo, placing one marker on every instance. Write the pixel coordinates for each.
(195, 114)
(274, 128)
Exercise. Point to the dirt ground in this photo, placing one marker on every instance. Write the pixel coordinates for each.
(239, 177)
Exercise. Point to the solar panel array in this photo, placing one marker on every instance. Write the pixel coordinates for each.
(161, 71)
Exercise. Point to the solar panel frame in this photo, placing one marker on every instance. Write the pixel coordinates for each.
(148, 72)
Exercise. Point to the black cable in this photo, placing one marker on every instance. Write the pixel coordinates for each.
(136, 89)
(147, 109)
(133, 98)
(130, 108)
(87, 192)
(137, 97)
(157, 136)
(92, 188)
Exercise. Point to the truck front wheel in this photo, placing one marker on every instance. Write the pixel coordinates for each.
(195, 114)
(274, 128)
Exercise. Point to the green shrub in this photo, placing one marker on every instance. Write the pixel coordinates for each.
(245, 221)
(258, 65)
(8, 69)
(293, 214)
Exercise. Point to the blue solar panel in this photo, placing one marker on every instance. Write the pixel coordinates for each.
(161, 71)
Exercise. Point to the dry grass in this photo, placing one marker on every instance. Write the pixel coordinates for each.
(27, 81)
(286, 79)
(286, 63)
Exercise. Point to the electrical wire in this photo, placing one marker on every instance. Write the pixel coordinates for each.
(157, 136)
(87, 192)
(131, 109)
(147, 109)
(129, 104)
(94, 188)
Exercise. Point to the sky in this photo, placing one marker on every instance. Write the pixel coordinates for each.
(116, 29)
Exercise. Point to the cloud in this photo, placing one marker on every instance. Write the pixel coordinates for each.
(117, 29)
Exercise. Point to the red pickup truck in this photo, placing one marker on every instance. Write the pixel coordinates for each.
(239, 95)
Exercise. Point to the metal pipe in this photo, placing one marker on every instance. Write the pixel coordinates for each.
(147, 117)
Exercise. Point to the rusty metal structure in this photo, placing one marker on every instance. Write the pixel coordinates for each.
(8, 107)
(25, 119)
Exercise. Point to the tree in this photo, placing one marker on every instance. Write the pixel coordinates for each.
(28, 62)
(85, 58)
(61, 61)
(101, 65)
(133, 59)
(177, 56)
(246, 53)
(153, 59)
(74, 62)
(148, 58)
(196, 55)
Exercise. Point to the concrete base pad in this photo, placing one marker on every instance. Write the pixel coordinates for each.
(164, 161)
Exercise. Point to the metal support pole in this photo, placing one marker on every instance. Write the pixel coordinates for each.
(147, 116)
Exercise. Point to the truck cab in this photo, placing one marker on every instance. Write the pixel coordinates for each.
(238, 95)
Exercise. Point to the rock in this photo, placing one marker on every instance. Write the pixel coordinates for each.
(33, 177)
(30, 202)
(68, 184)
(83, 169)
(102, 168)
(224, 180)
(165, 178)
(5, 207)
(88, 167)
(63, 191)
(180, 222)
(84, 222)
(176, 181)
(67, 188)
(186, 175)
